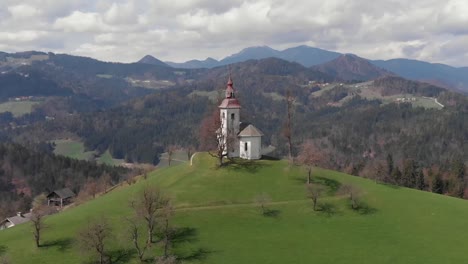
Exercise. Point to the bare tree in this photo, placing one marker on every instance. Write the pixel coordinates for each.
(190, 150)
(146, 206)
(165, 214)
(135, 231)
(170, 153)
(287, 129)
(310, 156)
(213, 139)
(354, 194)
(39, 210)
(314, 192)
(91, 187)
(262, 200)
(95, 237)
(105, 182)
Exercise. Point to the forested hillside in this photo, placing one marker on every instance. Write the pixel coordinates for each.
(27, 172)
(359, 127)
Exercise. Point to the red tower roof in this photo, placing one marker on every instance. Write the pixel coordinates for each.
(230, 100)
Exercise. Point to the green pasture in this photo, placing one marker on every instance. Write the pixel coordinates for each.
(217, 221)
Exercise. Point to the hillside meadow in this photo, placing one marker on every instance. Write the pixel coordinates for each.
(217, 221)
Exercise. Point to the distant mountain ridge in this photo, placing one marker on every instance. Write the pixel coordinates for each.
(305, 55)
(440, 74)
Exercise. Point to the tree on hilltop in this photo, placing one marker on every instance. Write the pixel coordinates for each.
(354, 194)
(213, 140)
(287, 126)
(314, 192)
(310, 156)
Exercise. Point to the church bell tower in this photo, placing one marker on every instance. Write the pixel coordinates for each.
(229, 111)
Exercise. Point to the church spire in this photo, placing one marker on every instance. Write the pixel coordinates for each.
(230, 88)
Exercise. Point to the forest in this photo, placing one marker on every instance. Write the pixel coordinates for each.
(26, 172)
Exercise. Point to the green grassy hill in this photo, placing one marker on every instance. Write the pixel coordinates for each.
(221, 225)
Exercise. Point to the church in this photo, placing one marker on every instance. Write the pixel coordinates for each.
(238, 139)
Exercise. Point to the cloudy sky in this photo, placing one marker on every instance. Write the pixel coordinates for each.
(178, 30)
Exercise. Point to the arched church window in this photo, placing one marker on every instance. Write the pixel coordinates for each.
(232, 116)
(245, 146)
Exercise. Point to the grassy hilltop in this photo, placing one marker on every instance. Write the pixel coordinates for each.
(221, 224)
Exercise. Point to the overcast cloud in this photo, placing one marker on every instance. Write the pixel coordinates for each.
(179, 30)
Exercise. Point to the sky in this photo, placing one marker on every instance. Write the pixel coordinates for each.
(179, 30)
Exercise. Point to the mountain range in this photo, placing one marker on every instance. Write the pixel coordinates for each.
(435, 73)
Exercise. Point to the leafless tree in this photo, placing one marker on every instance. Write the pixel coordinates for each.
(146, 206)
(287, 129)
(213, 139)
(190, 150)
(95, 236)
(105, 182)
(165, 214)
(262, 200)
(314, 192)
(310, 156)
(354, 194)
(91, 187)
(39, 211)
(135, 232)
(170, 153)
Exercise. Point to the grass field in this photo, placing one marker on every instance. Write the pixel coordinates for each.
(18, 108)
(106, 158)
(221, 225)
(72, 148)
(75, 149)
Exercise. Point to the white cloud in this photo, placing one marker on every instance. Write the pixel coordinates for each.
(81, 22)
(23, 11)
(125, 30)
(20, 37)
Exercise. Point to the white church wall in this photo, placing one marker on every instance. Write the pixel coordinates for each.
(230, 119)
(250, 147)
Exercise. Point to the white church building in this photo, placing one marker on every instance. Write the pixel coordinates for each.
(241, 140)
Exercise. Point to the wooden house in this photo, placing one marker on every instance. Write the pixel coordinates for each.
(60, 197)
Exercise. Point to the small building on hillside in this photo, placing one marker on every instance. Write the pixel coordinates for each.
(239, 140)
(60, 197)
(15, 220)
(250, 142)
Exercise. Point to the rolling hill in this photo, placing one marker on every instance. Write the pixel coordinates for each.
(349, 67)
(220, 223)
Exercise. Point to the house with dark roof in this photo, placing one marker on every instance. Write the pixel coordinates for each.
(60, 197)
(15, 220)
(239, 139)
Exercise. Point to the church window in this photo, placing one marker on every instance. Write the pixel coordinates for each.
(245, 146)
(224, 115)
(232, 116)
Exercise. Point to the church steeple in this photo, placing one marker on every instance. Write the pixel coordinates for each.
(230, 88)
